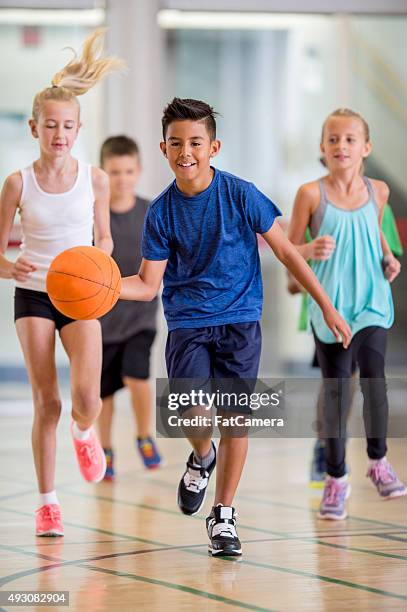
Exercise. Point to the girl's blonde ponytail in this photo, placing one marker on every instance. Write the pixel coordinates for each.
(80, 74)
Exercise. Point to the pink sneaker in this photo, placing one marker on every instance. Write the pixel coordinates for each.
(382, 475)
(48, 521)
(91, 458)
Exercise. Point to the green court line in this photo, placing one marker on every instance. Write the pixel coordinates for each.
(158, 509)
(378, 553)
(276, 568)
(179, 587)
(390, 536)
(20, 494)
(83, 563)
(304, 508)
(267, 502)
(338, 581)
(287, 535)
(55, 542)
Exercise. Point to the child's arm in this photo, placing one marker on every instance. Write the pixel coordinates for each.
(9, 200)
(305, 203)
(391, 265)
(101, 229)
(145, 285)
(286, 252)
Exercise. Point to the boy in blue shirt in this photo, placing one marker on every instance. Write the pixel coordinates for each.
(200, 238)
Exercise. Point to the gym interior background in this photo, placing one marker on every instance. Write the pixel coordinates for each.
(272, 72)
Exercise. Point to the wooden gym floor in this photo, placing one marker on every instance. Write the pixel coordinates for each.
(127, 547)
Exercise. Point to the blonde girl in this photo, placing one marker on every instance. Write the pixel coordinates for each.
(62, 203)
(344, 210)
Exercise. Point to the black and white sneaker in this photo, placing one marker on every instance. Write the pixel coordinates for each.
(221, 527)
(193, 485)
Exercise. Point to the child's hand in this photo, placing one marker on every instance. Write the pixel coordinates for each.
(22, 269)
(391, 267)
(321, 248)
(338, 326)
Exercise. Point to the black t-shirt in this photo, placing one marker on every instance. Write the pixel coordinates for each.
(128, 318)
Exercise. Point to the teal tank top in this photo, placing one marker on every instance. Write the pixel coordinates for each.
(353, 276)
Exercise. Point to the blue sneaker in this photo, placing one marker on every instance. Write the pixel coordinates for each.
(318, 466)
(109, 474)
(332, 506)
(149, 453)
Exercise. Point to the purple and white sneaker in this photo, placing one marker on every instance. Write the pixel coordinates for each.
(385, 480)
(336, 492)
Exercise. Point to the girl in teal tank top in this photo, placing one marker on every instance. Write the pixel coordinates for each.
(353, 275)
(355, 266)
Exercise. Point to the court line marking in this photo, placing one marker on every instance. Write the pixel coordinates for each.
(287, 535)
(185, 589)
(314, 511)
(390, 536)
(269, 502)
(57, 541)
(163, 483)
(83, 563)
(276, 568)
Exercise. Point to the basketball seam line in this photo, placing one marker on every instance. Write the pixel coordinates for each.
(99, 305)
(89, 297)
(93, 261)
(81, 277)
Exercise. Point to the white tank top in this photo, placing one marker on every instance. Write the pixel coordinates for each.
(53, 222)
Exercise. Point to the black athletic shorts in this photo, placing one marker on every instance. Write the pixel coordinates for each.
(30, 303)
(129, 358)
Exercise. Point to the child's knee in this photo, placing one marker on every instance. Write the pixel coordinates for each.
(86, 401)
(47, 407)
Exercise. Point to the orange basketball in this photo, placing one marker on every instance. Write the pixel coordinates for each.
(83, 282)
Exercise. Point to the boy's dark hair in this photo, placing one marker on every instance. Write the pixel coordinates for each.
(118, 146)
(181, 109)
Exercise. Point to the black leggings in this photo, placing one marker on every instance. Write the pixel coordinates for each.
(368, 348)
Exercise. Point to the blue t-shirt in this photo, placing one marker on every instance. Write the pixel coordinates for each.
(213, 274)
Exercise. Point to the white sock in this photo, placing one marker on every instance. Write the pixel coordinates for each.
(372, 462)
(48, 498)
(80, 434)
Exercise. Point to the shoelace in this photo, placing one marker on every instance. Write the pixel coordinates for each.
(87, 454)
(50, 513)
(332, 492)
(226, 530)
(195, 483)
(382, 472)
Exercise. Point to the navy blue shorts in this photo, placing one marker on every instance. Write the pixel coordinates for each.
(223, 351)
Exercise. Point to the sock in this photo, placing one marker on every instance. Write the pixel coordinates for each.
(372, 462)
(80, 434)
(207, 459)
(48, 498)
